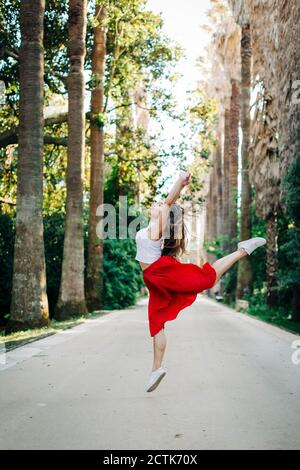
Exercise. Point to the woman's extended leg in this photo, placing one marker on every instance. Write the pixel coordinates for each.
(159, 347)
(223, 264)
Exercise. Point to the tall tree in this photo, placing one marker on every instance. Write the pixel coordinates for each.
(244, 277)
(219, 182)
(71, 300)
(95, 244)
(233, 159)
(264, 172)
(225, 73)
(226, 153)
(29, 299)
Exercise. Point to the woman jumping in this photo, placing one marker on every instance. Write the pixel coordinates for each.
(174, 285)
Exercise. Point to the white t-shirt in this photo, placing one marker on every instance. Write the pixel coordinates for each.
(147, 251)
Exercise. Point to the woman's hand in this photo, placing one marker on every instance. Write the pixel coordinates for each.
(184, 178)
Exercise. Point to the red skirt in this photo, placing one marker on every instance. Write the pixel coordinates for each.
(174, 286)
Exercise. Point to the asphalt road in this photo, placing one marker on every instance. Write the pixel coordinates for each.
(230, 384)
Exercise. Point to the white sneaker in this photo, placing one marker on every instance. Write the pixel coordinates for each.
(251, 244)
(155, 379)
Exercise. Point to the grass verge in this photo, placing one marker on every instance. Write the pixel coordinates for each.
(19, 338)
(275, 317)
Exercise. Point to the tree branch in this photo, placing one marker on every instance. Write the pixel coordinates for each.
(4, 52)
(5, 200)
(56, 119)
(11, 136)
(49, 139)
(124, 105)
(115, 58)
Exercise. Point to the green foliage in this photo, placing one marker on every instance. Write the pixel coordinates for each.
(7, 230)
(55, 41)
(280, 316)
(228, 280)
(258, 257)
(55, 45)
(99, 120)
(137, 50)
(203, 113)
(291, 184)
(10, 42)
(289, 271)
(122, 274)
(54, 184)
(216, 246)
(54, 226)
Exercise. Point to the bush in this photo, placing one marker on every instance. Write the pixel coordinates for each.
(7, 233)
(54, 227)
(290, 249)
(121, 274)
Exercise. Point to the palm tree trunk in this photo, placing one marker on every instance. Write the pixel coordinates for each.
(142, 118)
(233, 160)
(95, 246)
(219, 183)
(29, 305)
(245, 275)
(214, 178)
(124, 129)
(71, 300)
(209, 216)
(296, 304)
(272, 260)
(226, 167)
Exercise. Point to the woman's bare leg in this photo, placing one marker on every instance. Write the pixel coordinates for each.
(159, 347)
(223, 264)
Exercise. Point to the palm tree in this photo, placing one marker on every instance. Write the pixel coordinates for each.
(29, 305)
(233, 159)
(142, 118)
(95, 245)
(244, 276)
(265, 175)
(71, 300)
(226, 180)
(224, 53)
(208, 213)
(219, 182)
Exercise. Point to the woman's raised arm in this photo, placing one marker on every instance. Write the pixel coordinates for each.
(160, 216)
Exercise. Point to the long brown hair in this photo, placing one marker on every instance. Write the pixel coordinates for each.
(174, 241)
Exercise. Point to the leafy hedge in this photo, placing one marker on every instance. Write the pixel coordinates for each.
(7, 231)
(121, 274)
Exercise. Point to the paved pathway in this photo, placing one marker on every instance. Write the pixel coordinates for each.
(231, 384)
